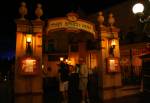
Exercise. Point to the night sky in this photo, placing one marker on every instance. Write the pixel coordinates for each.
(51, 8)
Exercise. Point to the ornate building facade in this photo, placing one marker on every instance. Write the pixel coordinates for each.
(40, 45)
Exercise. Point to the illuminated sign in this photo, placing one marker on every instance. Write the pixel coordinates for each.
(64, 23)
(113, 65)
(28, 66)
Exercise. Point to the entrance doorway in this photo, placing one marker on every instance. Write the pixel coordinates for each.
(71, 46)
(69, 40)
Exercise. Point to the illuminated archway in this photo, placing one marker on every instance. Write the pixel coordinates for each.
(70, 23)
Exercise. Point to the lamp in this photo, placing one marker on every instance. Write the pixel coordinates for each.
(112, 46)
(138, 9)
(113, 43)
(66, 60)
(61, 59)
(28, 44)
(28, 38)
(142, 11)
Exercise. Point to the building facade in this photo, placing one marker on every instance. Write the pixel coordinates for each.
(40, 45)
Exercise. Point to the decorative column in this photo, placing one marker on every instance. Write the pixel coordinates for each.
(108, 59)
(102, 31)
(28, 66)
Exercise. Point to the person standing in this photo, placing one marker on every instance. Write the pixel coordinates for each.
(73, 85)
(83, 80)
(64, 77)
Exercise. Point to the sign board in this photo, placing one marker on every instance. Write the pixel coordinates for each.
(64, 23)
(113, 65)
(28, 66)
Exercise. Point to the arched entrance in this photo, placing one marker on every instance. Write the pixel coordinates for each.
(70, 38)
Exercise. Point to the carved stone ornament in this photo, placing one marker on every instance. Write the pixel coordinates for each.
(100, 19)
(72, 16)
(39, 11)
(23, 10)
(111, 20)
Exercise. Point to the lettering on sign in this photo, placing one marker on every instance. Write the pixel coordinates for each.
(63, 23)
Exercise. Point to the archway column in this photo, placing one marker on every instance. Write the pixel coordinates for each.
(109, 82)
(109, 72)
(28, 87)
(28, 66)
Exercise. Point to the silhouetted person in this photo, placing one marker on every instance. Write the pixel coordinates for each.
(64, 76)
(73, 85)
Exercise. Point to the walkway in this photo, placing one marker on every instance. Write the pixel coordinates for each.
(138, 98)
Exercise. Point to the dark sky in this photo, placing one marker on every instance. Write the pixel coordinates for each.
(51, 8)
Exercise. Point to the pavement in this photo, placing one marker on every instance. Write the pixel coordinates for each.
(137, 98)
(6, 96)
(5, 92)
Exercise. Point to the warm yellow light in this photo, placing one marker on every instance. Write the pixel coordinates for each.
(112, 60)
(61, 59)
(28, 38)
(28, 65)
(113, 42)
(66, 60)
(69, 62)
(42, 66)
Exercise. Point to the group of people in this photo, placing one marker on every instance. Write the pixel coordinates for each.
(73, 79)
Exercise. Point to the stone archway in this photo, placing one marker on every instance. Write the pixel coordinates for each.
(64, 33)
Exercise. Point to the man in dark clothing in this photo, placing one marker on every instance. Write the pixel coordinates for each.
(64, 77)
(73, 91)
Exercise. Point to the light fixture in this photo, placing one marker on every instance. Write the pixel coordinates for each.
(61, 59)
(66, 60)
(138, 9)
(113, 43)
(141, 9)
(28, 38)
(112, 47)
(28, 44)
